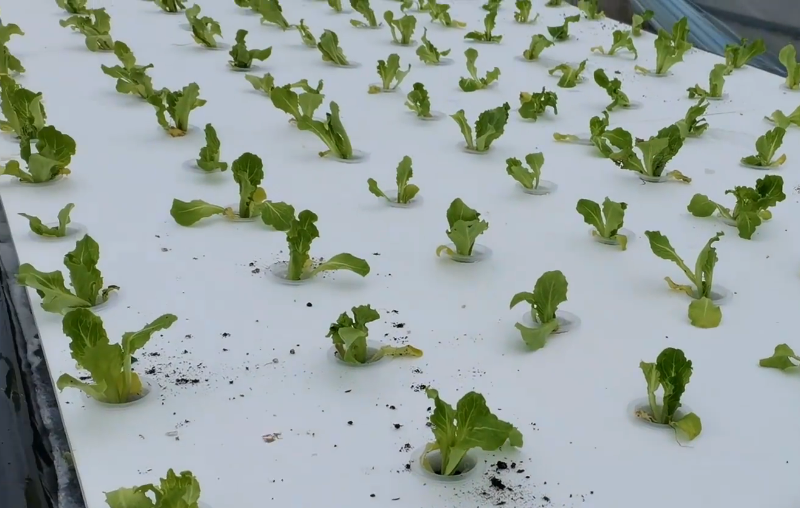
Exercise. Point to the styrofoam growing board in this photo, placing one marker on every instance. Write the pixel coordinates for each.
(248, 356)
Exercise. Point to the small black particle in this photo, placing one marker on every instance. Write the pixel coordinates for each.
(372, 495)
(397, 425)
(501, 465)
(350, 422)
(291, 351)
(309, 304)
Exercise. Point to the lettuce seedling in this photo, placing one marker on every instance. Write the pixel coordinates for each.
(538, 44)
(362, 7)
(204, 29)
(465, 227)
(331, 132)
(336, 5)
(490, 125)
(85, 279)
(590, 9)
(23, 110)
(531, 105)
(549, 292)
(95, 26)
(669, 48)
(621, 40)
(131, 78)
(73, 6)
(639, 20)
(248, 172)
(243, 57)
(428, 53)
(554, 3)
(751, 208)
(671, 371)
(788, 58)
(329, 47)
(561, 33)
(349, 336)
(263, 84)
(300, 232)
(597, 135)
(780, 119)
(405, 190)
(486, 35)
(456, 431)
(294, 105)
(527, 177)
(783, 358)
(54, 153)
(170, 5)
(174, 492)
(703, 313)
(405, 26)
(177, 105)
(390, 74)
(737, 55)
(523, 12)
(419, 102)
(716, 81)
(8, 62)
(305, 34)
(613, 88)
(656, 153)
(608, 222)
(692, 125)
(766, 146)
(272, 13)
(491, 5)
(109, 365)
(209, 154)
(59, 231)
(440, 13)
(474, 83)
(570, 77)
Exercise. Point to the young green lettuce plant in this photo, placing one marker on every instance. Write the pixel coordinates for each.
(613, 88)
(301, 230)
(538, 44)
(209, 155)
(73, 6)
(591, 9)
(39, 228)
(669, 48)
(418, 101)
(178, 105)
(692, 125)
(328, 45)
(783, 120)
(131, 78)
(766, 146)
(532, 105)
(737, 55)
(561, 32)
(331, 132)
(490, 125)
(598, 126)
(456, 431)
(272, 13)
(175, 491)
(362, 7)
(474, 83)
(703, 312)
(23, 110)
(486, 35)
(656, 153)
(336, 5)
(570, 76)
(8, 62)
(170, 6)
(523, 12)
(405, 26)
(788, 58)
(109, 365)
(549, 292)
(639, 20)
(54, 153)
(621, 40)
(294, 105)
(428, 53)
(390, 74)
(306, 36)
(783, 358)
(405, 191)
(242, 58)
(349, 336)
(671, 372)
(85, 278)
(95, 26)
(204, 29)
(440, 13)
(465, 227)
(752, 205)
(248, 172)
(607, 222)
(530, 176)
(716, 81)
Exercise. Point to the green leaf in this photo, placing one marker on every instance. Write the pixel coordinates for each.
(133, 341)
(428, 53)
(306, 35)
(781, 359)
(343, 261)
(788, 58)
(689, 425)
(51, 288)
(549, 292)
(128, 498)
(639, 20)
(405, 192)
(490, 126)
(766, 146)
(362, 7)
(390, 73)
(703, 313)
(592, 215)
(674, 373)
(661, 247)
(561, 33)
(187, 213)
(328, 45)
(538, 44)
(86, 279)
(466, 130)
(528, 178)
(419, 102)
(209, 154)
(39, 228)
(536, 338)
(278, 215)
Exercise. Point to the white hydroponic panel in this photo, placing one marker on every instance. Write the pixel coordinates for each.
(248, 357)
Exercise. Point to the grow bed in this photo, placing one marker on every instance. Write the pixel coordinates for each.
(246, 395)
